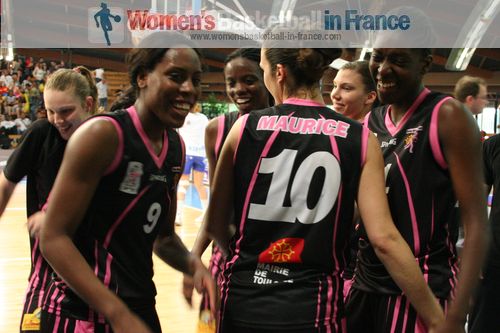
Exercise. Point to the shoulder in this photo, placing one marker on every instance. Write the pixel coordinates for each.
(212, 127)
(40, 125)
(452, 113)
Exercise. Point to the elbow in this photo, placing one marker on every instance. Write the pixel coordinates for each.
(385, 244)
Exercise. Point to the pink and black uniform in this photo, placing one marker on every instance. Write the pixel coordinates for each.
(38, 157)
(117, 233)
(424, 210)
(297, 170)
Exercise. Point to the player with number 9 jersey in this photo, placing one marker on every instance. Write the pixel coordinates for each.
(117, 234)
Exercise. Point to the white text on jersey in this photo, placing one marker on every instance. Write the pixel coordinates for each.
(303, 125)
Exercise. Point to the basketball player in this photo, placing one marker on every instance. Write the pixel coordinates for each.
(193, 134)
(291, 174)
(121, 171)
(70, 97)
(432, 158)
(354, 91)
(245, 88)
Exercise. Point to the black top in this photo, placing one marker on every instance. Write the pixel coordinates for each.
(117, 234)
(297, 170)
(491, 156)
(421, 198)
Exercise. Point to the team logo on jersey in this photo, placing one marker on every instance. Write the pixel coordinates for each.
(285, 250)
(132, 180)
(411, 137)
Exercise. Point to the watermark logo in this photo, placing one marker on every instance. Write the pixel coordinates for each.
(105, 24)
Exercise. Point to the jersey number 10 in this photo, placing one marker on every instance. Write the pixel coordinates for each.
(281, 169)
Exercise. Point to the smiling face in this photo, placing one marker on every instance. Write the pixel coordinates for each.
(245, 85)
(172, 88)
(65, 110)
(398, 74)
(349, 94)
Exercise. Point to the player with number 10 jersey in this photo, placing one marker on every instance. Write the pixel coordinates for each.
(299, 164)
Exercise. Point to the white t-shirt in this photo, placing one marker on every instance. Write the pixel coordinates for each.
(193, 133)
(102, 89)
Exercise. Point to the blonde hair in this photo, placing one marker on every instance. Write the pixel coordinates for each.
(79, 79)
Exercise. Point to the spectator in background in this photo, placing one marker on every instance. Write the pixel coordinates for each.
(34, 99)
(22, 123)
(102, 92)
(39, 72)
(472, 92)
(193, 134)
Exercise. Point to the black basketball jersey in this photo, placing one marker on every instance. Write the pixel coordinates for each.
(117, 234)
(491, 156)
(420, 195)
(297, 169)
(224, 122)
(38, 157)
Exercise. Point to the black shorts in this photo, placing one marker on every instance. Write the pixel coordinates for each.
(376, 313)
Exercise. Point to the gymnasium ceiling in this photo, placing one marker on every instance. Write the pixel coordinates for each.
(484, 63)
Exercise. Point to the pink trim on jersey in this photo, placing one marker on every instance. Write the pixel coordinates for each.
(405, 318)
(328, 312)
(318, 306)
(107, 276)
(393, 129)
(115, 225)
(388, 308)
(242, 129)
(220, 133)
(52, 303)
(158, 159)
(35, 247)
(420, 326)
(426, 258)
(366, 119)
(66, 323)
(301, 101)
(59, 300)
(119, 150)
(395, 315)
(44, 284)
(364, 144)
(336, 260)
(33, 283)
(266, 149)
(56, 324)
(413, 215)
(453, 267)
(434, 135)
(84, 326)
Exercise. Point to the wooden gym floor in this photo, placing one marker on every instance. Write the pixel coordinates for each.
(175, 314)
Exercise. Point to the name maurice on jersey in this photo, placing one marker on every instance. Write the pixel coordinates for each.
(303, 125)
